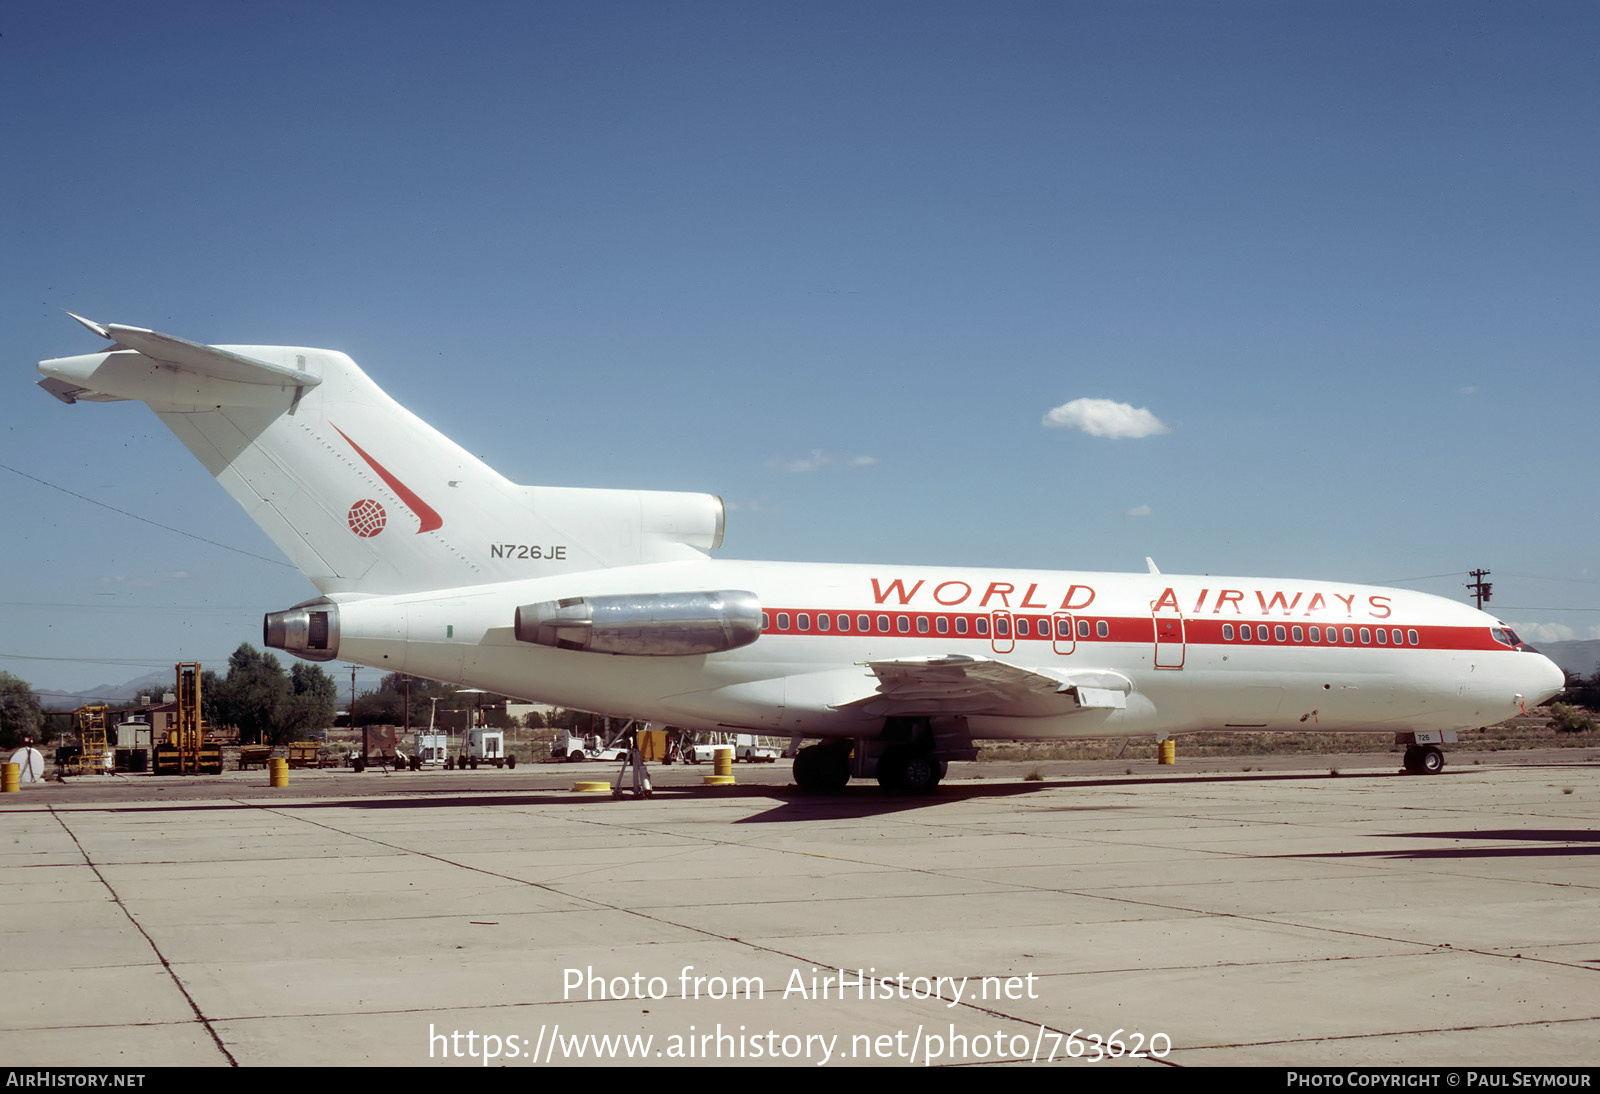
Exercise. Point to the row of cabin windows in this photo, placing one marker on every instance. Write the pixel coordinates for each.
(1278, 633)
(941, 624)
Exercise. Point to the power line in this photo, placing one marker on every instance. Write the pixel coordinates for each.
(146, 520)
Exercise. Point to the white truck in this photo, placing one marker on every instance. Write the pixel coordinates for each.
(578, 749)
(747, 748)
(486, 746)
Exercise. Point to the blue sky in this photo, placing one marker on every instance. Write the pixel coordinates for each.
(837, 262)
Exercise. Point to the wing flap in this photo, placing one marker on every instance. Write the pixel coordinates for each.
(959, 684)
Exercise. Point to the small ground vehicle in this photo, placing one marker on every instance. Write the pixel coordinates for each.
(577, 749)
(747, 747)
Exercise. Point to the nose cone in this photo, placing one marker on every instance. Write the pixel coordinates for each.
(1545, 680)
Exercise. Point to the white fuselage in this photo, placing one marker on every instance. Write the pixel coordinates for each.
(1381, 660)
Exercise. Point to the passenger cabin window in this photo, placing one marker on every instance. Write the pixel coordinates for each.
(1083, 628)
(922, 624)
(961, 624)
(1411, 636)
(783, 621)
(883, 624)
(1316, 634)
(803, 620)
(823, 619)
(1349, 635)
(1063, 628)
(1279, 633)
(1299, 635)
(1227, 632)
(1002, 627)
(982, 625)
(765, 622)
(1102, 628)
(942, 624)
(1366, 637)
(1023, 630)
(902, 624)
(1261, 631)
(1383, 637)
(864, 624)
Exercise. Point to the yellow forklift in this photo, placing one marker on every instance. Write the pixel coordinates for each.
(184, 750)
(93, 753)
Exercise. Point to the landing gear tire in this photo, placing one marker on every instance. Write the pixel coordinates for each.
(1424, 760)
(909, 772)
(822, 769)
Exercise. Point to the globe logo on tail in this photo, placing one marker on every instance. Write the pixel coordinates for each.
(367, 518)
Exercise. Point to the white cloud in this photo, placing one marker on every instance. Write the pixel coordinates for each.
(818, 459)
(1544, 632)
(1104, 418)
(1469, 390)
(1140, 511)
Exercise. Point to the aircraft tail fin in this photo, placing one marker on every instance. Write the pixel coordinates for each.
(358, 492)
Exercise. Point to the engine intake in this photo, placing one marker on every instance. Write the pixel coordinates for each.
(309, 630)
(644, 624)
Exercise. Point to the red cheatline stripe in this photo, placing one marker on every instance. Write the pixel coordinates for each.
(425, 513)
(1198, 632)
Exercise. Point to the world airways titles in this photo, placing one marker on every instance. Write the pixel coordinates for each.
(1004, 595)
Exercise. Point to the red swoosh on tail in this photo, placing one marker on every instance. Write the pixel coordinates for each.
(425, 512)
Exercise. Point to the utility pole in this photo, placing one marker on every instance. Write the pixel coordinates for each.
(1480, 588)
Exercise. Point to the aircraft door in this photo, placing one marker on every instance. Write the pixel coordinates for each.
(1000, 635)
(1064, 639)
(1169, 638)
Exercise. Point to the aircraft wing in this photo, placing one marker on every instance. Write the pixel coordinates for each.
(959, 684)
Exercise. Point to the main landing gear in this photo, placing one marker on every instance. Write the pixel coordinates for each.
(908, 756)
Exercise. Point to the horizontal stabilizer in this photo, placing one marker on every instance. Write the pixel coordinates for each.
(219, 364)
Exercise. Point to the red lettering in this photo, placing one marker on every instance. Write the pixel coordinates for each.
(897, 587)
(1169, 599)
(966, 592)
(1317, 603)
(1229, 596)
(1027, 598)
(1066, 602)
(1349, 602)
(1198, 604)
(1376, 614)
(1000, 589)
(1277, 601)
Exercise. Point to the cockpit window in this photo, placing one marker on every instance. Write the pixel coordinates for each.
(1508, 637)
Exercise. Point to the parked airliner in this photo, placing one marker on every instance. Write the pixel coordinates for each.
(428, 562)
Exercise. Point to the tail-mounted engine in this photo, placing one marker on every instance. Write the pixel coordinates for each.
(309, 630)
(644, 624)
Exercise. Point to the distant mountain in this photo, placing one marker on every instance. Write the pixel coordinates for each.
(1582, 657)
(153, 684)
(159, 681)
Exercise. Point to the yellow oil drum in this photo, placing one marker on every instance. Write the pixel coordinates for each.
(277, 771)
(10, 778)
(722, 760)
(1169, 751)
